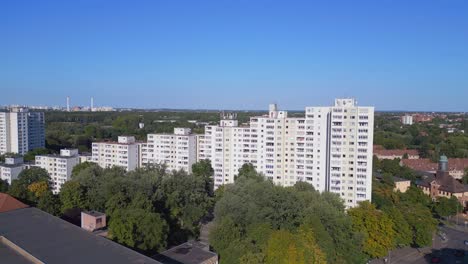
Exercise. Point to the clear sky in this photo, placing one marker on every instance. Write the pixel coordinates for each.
(235, 54)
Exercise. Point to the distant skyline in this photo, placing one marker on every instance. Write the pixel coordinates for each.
(394, 55)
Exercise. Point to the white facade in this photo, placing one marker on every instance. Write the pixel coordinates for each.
(21, 131)
(351, 133)
(59, 167)
(330, 148)
(177, 151)
(11, 169)
(86, 157)
(407, 120)
(123, 153)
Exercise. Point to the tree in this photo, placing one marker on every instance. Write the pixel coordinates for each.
(4, 186)
(31, 155)
(19, 187)
(82, 166)
(38, 188)
(139, 229)
(187, 207)
(420, 219)
(286, 247)
(73, 195)
(377, 228)
(446, 207)
(403, 232)
(204, 172)
(254, 207)
(248, 171)
(415, 195)
(49, 203)
(281, 248)
(465, 177)
(223, 234)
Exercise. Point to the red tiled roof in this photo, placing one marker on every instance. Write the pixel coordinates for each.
(428, 165)
(420, 164)
(445, 181)
(8, 203)
(379, 150)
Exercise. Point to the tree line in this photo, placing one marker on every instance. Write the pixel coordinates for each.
(428, 138)
(255, 221)
(148, 209)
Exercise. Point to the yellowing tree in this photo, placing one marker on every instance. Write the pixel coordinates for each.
(285, 247)
(38, 188)
(377, 228)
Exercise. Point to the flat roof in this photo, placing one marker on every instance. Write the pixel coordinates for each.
(398, 179)
(53, 240)
(94, 213)
(58, 156)
(11, 165)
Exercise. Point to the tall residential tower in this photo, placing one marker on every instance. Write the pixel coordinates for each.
(21, 130)
(330, 148)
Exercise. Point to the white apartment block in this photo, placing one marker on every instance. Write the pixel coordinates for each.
(176, 151)
(123, 153)
(11, 169)
(21, 131)
(330, 148)
(59, 167)
(407, 120)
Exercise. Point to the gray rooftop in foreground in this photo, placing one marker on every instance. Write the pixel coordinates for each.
(186, 253)
(8, 255)
(53, 240)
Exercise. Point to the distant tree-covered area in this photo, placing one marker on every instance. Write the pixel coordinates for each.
(80, 129)
(431, 139)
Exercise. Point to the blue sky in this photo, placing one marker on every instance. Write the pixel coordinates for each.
(235, 54)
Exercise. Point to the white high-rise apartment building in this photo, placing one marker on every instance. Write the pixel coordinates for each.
(407, 120)
(330, 148)
(228, 146)
(21, 131)
(11, 169)
(177, 151)
(59, 167)
(351, 134)
(123, 153)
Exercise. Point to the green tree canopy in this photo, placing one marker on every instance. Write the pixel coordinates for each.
(31, 155)
(4, 186)
(49, 203)
(253, 207)
(379, 234)
(300, 247)
(446, 207)
(139, 229)
(73, 195)
(19, 187)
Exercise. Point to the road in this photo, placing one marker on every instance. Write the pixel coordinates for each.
(443, 249)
